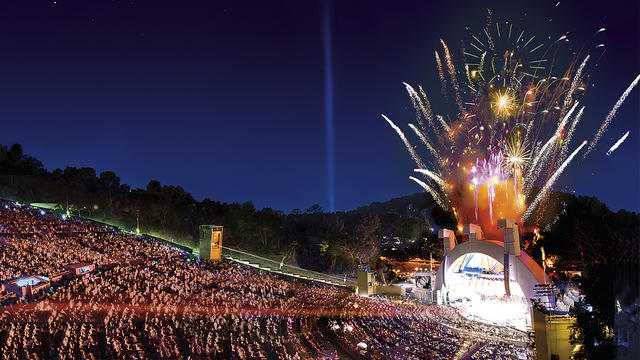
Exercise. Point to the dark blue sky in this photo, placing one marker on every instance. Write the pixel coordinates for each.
(226, 98)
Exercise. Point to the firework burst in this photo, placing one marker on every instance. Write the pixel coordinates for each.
(517, 155)
(511, 127)
(503, 103)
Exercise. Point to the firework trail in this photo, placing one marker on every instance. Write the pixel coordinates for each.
(488, 21)
(417, 106)
(433, 176)
(443, 88)
(443, 123)
(550, 182)
(543, 156)
(569, 137)
(433, 193)
(481, 65)
(425, 141)
(618, 143)
(568, 97)
(406, 142)
(452, 74)
(574, 83)
(420, 107)
(610, 116)
(427, 108)
(468, 74)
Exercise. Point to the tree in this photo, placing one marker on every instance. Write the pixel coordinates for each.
(314, 209)
(363, 240)
(433, 246)
(109, 184)
(15, 153)
(412, 228)
(154, 186)
(109, 180)
(443, 218)
(590, 234)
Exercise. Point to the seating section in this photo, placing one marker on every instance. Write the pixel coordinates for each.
(149, 300)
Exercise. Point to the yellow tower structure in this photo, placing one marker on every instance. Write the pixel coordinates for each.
(210, 237)
(552, 333)
(366, 282)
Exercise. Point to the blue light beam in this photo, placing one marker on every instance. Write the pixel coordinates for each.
(328, 103)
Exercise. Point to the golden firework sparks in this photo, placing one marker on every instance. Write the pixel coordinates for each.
(503, 103)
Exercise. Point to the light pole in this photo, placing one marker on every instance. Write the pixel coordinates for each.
(137, 221)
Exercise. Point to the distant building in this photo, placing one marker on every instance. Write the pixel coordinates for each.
(27, 286)
(210, 237)
(80, 268)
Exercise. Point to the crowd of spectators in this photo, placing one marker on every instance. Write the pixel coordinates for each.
(491, 350)
(150, 300)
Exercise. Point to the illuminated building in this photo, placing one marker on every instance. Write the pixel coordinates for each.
(492, 280)
(80, 268)
(27, 286)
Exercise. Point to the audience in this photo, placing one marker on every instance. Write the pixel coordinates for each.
(149, 300)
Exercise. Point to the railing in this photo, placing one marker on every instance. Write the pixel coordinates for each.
(250, 259)
(285, 269)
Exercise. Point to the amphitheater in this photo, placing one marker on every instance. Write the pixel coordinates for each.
(480, 271)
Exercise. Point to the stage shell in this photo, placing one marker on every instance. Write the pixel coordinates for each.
(526, 272)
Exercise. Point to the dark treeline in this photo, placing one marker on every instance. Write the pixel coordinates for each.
(604, 246)
(310, 238)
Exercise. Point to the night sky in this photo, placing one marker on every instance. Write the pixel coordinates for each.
(227, 98)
